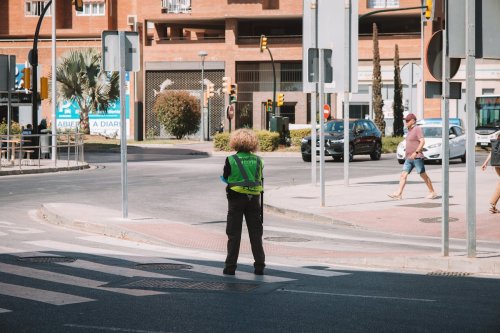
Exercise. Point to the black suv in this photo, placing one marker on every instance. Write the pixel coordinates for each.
(364, 138)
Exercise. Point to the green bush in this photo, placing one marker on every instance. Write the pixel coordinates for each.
(178, 112)
(221, 141)
(268, 141)
(298, 134)
(15, 128)
(390, 143)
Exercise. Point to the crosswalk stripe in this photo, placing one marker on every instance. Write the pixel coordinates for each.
(70, 280)
(40, 295)
(69, 247)
(213, 270)
(4, 310)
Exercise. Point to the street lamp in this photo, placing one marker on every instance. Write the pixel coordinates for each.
(202, 55)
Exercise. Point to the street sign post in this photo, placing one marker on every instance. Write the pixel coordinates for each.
(120, 51)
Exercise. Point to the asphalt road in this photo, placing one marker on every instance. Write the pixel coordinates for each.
(105, 289)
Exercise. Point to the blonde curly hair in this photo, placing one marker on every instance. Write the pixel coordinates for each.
(244, 140)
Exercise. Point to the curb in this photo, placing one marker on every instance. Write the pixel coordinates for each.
(110, 230)
(43, 170)
(309, 216)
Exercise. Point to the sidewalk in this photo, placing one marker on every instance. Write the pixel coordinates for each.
(46, 165)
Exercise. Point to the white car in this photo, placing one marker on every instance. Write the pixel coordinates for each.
(433, 141)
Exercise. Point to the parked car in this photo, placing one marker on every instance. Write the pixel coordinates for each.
(364, 139)
(453, 121)
(433, 143)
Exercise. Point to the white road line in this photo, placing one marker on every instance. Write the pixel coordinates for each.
(113, 329)
(4, 310)
(39, 295)
(182, 253)
(115, 270)
(69, 247)
(359, 296)
(70, 280)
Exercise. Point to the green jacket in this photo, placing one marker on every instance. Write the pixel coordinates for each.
(246, 173)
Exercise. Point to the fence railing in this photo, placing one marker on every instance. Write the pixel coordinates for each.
(35, 150)
(176, 6)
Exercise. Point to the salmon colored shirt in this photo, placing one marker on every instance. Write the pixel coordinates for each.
(413, 141)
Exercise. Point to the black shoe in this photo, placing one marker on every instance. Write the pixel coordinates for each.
(228, 271)
(259, 271)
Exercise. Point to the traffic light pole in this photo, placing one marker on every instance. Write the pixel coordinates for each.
(274, 82)
(33, 58)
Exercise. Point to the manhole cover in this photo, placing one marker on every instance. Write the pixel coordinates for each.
(163, 266)
(436, 219)
(191, 285)
(45, 259)
(286, 239)
(449, 274)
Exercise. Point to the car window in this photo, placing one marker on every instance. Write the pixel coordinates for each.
(372, 125)
(337, 126)
(366, 125)
(432, 132)
(359, 126)
(458, 131)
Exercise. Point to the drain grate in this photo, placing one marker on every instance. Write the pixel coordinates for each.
(191, 285)
(45, 259)
(449, 274)
(436, 219)
(286, 239)
(163, 266)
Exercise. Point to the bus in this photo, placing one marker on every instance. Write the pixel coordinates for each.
(487, 119)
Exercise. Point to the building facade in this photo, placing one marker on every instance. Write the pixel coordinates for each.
(173, 32)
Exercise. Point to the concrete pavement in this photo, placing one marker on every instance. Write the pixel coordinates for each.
(363, 205)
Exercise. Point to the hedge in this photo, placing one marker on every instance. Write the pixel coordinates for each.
(268, 141)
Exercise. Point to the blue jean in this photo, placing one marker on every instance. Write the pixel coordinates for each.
(417, 163)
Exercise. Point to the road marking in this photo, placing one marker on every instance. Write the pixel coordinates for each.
(68, 247)
(40, 295)
(113, 329)
(181, 254)
(70, 280)
(354, 295)
(18, 230)
(4, 310)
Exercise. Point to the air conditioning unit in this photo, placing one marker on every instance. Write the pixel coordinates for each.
(131, 19)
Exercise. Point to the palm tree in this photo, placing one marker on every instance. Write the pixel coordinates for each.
(81, 80)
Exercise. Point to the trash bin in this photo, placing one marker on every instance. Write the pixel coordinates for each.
(44, 144)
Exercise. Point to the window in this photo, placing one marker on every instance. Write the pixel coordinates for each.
(488, 91)
(383, 4)
(35, 8)
(93, 9)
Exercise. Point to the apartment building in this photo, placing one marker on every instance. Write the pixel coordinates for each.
(174, 32)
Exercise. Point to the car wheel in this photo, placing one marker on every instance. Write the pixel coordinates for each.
(463, 158)
(377, 152)
(401, 161)
(351, 153)
(306, 158)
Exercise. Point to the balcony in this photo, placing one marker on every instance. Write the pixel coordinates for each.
(175, 6)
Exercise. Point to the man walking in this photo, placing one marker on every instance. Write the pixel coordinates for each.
(414, 159)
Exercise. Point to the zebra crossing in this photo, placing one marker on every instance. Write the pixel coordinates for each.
(101, 261)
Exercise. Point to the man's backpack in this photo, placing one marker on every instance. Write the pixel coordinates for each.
(495, 153)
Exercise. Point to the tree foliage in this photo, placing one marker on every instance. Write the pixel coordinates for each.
(398, 126)
(178, 112)
(377, 101)
(81, 80)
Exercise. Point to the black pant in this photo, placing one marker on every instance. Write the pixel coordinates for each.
(248, 205)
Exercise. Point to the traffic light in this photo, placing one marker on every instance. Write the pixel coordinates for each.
(226, 83)
(78, 5)
(263, 43)
(281, 99)
(233, 94)
(269, 105)
(44, 87)
(429, 7)
(26, 78)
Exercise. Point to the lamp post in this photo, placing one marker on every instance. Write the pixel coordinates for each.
(202, 55)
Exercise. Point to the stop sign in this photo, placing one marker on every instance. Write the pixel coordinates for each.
(326, 111)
